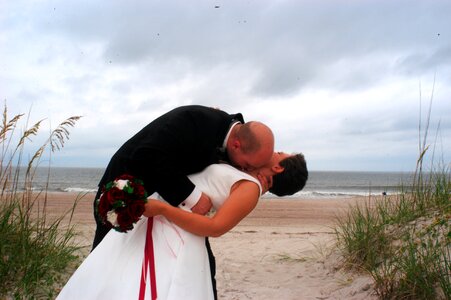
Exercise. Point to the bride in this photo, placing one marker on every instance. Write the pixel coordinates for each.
(164, 256)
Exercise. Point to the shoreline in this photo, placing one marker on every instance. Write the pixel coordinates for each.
(304, 214)
(284, 249)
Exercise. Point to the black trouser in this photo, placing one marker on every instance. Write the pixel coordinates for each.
(212, 260)
(101, 232)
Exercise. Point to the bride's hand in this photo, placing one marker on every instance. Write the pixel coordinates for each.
(152, 208)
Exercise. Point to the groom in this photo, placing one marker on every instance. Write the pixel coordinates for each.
(185, 141)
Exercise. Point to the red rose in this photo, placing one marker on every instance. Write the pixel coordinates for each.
(117, 194)
(103, 206)
(139, 191)
(125, 220)
(107, 197)
(125, 177)
(136, 209)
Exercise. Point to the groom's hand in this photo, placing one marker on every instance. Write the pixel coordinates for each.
(202, 206)
(266, 182)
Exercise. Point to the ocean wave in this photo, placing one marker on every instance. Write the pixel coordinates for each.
(50, 190)
(78, 190)
(329, 194)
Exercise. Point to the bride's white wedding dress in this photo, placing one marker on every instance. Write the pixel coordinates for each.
(182, 271)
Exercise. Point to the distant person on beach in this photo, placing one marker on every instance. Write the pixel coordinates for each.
(185, 141)
(164, 256)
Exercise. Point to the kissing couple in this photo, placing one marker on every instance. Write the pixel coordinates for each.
(191, 160)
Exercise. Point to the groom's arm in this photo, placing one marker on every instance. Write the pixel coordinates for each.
(197, 201)
(163, 175)
(179, 143)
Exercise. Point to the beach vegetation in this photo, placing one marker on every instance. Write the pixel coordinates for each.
(35, 248)
(290, 258)
(404, 240)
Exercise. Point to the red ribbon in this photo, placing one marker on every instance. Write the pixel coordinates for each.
(148, 265)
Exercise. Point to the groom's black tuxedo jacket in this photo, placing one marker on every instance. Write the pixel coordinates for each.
(180, 142)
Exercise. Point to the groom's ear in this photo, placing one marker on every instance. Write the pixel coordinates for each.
(277, 169)
(236, 144)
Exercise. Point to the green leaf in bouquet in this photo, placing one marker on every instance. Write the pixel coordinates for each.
(128, 189)
(118, 204)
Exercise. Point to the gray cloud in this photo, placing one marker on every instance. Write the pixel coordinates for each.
(324, 74)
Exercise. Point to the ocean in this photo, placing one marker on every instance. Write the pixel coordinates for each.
(321, 184)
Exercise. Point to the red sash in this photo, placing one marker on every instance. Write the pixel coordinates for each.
(148, 265)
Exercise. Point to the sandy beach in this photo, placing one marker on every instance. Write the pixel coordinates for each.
(284, 249)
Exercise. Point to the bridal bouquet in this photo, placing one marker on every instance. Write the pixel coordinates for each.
(122, 203)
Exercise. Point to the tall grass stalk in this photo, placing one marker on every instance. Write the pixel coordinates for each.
(34, 249)
(404, 241)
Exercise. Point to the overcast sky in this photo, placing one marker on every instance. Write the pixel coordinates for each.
(340, 81)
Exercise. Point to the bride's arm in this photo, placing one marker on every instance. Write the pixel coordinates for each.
(241, 201)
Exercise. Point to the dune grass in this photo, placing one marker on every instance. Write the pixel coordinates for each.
(35, 249)
(404, 241)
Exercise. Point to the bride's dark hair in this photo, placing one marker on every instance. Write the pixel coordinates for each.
(293, 177)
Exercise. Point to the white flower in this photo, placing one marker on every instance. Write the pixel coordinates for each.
(112, 217)
(121, 183)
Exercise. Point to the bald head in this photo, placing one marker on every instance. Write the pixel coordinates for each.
(251, 145)
(255, 135)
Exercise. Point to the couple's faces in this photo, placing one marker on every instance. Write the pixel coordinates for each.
(251, 162)
(273, 167)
